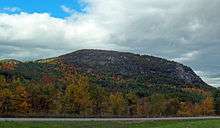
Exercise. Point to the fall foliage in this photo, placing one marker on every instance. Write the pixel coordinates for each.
(74, 94)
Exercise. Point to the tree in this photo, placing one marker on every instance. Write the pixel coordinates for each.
(131, 103)
(197, 110)
(117, 103)
(157, 105)
(217, 101)
(42, 98)
(172, 107)
(143, 107)
(22, 104)
(35, 94)
(2, 80)
(186, 109)
(207, 106)
(100, 100)
(77, 97)
(6, 101)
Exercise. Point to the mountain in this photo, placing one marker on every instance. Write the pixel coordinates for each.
(153, 69)
(115, 71)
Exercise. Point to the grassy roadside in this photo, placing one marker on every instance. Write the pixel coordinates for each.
(121, 124)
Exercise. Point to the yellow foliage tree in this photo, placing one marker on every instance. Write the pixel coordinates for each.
(2, 80)
(117, 103)
(186, 109)
(131, 103)
(77, 98)
(197, 110)
(207, 106)
(21, 104)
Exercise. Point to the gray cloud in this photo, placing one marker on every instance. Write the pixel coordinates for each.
(186, 31)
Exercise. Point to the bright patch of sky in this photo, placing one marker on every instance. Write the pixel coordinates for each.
(56, 8)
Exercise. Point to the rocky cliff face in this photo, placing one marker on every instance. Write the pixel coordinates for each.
(155, 70)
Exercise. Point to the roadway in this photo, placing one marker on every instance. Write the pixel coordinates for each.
(105, 119)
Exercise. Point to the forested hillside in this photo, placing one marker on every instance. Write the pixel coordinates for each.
(104, 84)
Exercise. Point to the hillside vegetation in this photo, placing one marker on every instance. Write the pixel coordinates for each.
(104, 84)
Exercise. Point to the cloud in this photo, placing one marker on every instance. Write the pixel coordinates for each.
(43, 31)
(10, 9)
(187, 57)
(210, 77)
(186, 31)
(67, 10)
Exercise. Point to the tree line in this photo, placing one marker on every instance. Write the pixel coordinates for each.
(78, 97)
(81, 99)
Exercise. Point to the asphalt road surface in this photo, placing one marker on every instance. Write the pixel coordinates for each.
(106, 119)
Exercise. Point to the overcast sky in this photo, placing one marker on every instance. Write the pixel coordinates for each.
(187, 31)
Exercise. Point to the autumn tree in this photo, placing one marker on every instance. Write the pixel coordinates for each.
(77, 97)
(6, 101)
(42, 98)
(131, 103)
(157, 105)
(100, 99)
(22, 104)
(69, 74)
(186, 109)
(217, 102)
(2, 80)
(51, 98)
(207, 106)
(143, 107)
(172, 107)
(197, 110)
(117, 103)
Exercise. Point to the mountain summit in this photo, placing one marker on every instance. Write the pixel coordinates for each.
(152, 69)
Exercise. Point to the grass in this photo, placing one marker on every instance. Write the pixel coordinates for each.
(116, 124)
